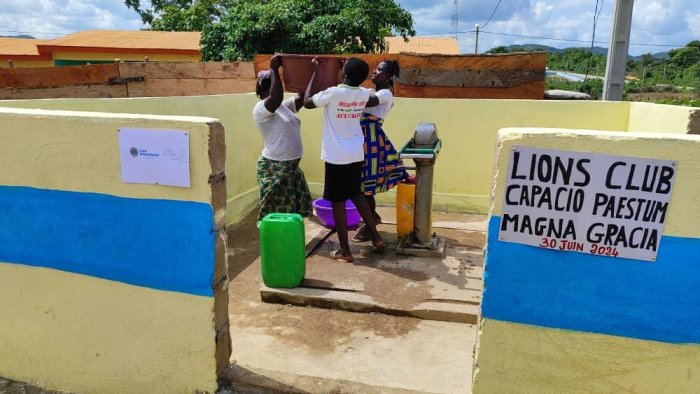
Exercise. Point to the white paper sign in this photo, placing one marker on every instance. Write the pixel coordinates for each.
(160, 157)
(586, 202)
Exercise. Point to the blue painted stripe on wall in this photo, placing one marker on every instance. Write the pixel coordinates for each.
(161, 244)
(638, 299)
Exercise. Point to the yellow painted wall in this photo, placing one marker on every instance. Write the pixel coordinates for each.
(514, 357)
(655, 118)
(243, 141)
(467, 127)
(26, 63)
(518, 358)
(683, 214)
(83, 334)
(77, 151)
(59, 55)
(468, 131)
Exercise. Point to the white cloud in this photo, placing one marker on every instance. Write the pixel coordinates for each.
(52, 18)
(654, 21)
(692, 22)
(673, 22)
(541, 8)
(649, 14)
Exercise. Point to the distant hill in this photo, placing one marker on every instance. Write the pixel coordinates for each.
(538, 48)
(531, 48)
(19, 36)
(657, 55)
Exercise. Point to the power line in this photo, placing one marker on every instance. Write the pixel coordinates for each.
(455, 17)
(33, 32)
(544, 38)
(596, 15)
(572, 40)
(492, 14)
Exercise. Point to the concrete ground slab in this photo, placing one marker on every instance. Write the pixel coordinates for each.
(286, 348)
(320, 298)
(353, 353)
(435, 288)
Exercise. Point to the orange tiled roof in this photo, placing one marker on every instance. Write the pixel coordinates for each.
(441, 45)
(126, 41)
(21, 49)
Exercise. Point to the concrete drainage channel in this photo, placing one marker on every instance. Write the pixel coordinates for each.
(8, 386)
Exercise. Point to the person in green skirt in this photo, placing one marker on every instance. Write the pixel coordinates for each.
(282, 184)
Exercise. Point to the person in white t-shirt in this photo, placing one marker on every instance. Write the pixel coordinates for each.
(382, 168)
(282, 184)
(342, 148)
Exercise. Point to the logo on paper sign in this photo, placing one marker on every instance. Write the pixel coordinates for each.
(133, 151)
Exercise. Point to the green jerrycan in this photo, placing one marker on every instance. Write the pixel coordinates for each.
(282, 250)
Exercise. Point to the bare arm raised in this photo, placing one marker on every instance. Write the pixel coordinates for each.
(311, 89)
(274, 100)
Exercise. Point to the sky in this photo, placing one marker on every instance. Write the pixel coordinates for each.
(657, 25)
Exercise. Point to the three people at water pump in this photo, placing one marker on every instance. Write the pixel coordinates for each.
(359, 159)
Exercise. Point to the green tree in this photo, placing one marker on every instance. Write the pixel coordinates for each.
(576, 60)
(178, 15)
(498, 49)
(233, 29)
(685, 57)
(304, 26)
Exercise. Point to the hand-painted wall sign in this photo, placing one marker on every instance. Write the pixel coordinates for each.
(586, 202)
(158, 157)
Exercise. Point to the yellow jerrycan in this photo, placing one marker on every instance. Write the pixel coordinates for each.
(405, 205)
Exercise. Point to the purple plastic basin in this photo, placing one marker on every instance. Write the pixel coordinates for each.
(324, 211)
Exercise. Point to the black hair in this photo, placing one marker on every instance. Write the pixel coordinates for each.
(356, 70)
(263, 83)
(393, 70)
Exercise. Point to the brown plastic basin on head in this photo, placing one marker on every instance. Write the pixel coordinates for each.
(297, 72)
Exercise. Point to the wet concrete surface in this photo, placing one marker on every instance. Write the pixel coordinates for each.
(308, 349)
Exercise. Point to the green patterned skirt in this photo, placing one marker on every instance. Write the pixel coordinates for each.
(283, 188)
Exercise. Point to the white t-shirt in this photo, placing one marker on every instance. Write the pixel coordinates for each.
(280, 130)
(386, 102)
(342, 135)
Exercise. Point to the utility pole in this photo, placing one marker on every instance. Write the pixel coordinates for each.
(476, 44)
(616, 66)
(455, 18)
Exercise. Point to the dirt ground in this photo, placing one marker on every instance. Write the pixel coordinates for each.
(655, 96)
(309, 349)
(246, 309)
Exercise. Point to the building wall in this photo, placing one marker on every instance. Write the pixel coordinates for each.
(105, 286)
(243, 140)
(577, 323)
(26, 63)
(80, 58)
(99, 56)
(468, 129)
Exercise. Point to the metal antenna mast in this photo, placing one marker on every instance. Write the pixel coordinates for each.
(455, 18)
